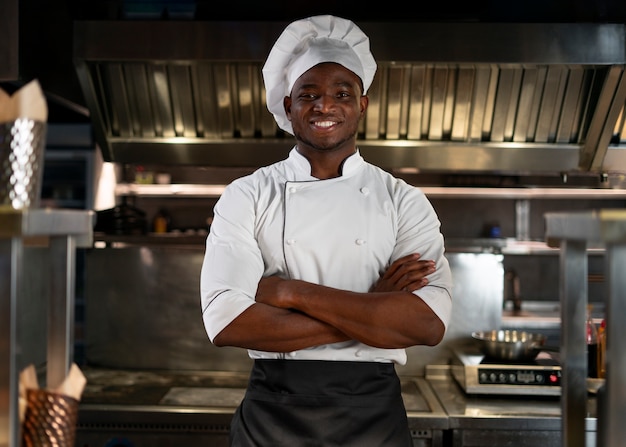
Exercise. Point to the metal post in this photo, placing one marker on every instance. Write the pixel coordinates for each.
(10, 260)
(60, 310)
(615, 399)
(573, 289)
(67, 229)
(574, 231)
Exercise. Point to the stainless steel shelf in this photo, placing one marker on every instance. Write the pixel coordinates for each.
(47, 222)
(214, 191)
(572, 232)
(523, 193)
(165, 239)
(170, 190)
(61, 232)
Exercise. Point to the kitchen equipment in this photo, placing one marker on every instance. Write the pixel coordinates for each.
(480, 374)
(122, 219)
(511, 345)
(411, 120)
(520, 421)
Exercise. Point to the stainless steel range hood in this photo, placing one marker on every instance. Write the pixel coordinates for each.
(467, 97)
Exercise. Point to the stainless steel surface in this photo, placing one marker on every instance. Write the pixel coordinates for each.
(478, 420)
(48, 222)
(60, 340)
(523, 194)
(537, 316)
(477, 295)
(136, 404)
(572, 232)
(115, 387)
(573, 341)
(10, 259)
(65, 229)
(447, 96)
(131, 283)
(145, 298)
(223, 389)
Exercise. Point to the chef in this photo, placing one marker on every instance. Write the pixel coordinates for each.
(323, 266)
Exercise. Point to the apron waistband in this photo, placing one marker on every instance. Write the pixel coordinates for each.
(321, 377)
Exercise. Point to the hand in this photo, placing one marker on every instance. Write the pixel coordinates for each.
(407, 273)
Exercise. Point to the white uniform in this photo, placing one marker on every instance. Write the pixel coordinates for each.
(341, 232)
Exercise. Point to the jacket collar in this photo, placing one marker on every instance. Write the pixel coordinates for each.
(302, 168)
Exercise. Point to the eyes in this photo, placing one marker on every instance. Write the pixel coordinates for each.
(310, 95)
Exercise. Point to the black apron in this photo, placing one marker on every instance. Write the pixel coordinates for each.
(306, 403)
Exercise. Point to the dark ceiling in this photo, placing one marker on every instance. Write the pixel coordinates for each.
(45, 28)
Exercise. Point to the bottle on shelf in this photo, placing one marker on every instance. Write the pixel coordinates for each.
(161, 222)
(592, 344)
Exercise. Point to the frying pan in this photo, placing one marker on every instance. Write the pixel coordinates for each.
(511, 345)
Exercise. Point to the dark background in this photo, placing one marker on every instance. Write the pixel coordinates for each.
(45, 27)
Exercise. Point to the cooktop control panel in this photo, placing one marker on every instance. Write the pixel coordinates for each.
(491, 375)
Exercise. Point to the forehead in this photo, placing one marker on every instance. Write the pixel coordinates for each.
(327, 72)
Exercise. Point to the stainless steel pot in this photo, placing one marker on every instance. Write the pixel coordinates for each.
(510, 345)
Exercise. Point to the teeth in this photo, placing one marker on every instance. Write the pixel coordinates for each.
(325, 123)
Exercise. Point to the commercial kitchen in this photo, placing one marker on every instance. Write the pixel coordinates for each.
(512, 122)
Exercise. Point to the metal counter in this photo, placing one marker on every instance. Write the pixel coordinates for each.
(493, 421)
(153, 409)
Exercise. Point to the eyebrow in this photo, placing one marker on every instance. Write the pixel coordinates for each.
(345, 84)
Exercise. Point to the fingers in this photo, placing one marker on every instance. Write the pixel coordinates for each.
(407, 273)
(400, 262)
(415, 285)
(412, 270)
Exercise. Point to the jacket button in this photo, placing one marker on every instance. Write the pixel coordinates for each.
(293, 189)
(365, 190)
(291, 241)
(360, 241)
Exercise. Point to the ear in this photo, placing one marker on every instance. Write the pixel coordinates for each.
(364, 101)
(287, 106)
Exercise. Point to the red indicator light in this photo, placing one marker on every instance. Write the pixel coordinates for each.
(553, 378)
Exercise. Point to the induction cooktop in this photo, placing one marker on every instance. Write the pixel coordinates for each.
(477, 374)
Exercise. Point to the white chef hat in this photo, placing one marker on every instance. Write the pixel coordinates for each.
(306, 43)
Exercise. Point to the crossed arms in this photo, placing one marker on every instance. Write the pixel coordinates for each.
(290, 315)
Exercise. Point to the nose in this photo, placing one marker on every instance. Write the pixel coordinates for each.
(324, 103)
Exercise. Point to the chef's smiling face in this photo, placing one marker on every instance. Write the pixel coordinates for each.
(325, 108)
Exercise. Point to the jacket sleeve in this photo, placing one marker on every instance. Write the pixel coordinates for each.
(232, 265)
(419, 231)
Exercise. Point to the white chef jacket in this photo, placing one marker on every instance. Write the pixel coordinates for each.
(342, 232)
